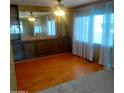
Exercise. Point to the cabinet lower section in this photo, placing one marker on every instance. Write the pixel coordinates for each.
(31, 49)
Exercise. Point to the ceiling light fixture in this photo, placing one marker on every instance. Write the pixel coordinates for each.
(59, 9)
(31, 17)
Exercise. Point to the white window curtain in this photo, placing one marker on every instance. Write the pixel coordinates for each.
(83, 33)
(107, 46)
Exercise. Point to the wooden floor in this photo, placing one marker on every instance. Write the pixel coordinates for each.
(38, 74)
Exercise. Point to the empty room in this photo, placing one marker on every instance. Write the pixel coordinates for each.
(62, 46)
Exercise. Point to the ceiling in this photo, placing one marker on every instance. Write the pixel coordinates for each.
(50, 3)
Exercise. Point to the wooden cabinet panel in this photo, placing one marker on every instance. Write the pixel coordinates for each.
(17, 52)
(29, 49)
(45, 47)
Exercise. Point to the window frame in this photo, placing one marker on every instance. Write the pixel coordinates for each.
(52, 25)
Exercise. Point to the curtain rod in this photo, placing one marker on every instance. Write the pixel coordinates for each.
(95, 2)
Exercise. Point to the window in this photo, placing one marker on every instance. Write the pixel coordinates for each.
(111, 41)
(78, 29)
(14, 29)
(82, 28)
(98, 28)
(98, 22)
(51, 27)
(21, 27)
(37, 27)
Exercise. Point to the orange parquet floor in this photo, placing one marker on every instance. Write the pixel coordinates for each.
(41, 73)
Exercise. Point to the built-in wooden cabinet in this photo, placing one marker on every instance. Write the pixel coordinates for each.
(46, 47)
(17, 50)
(37, 48)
